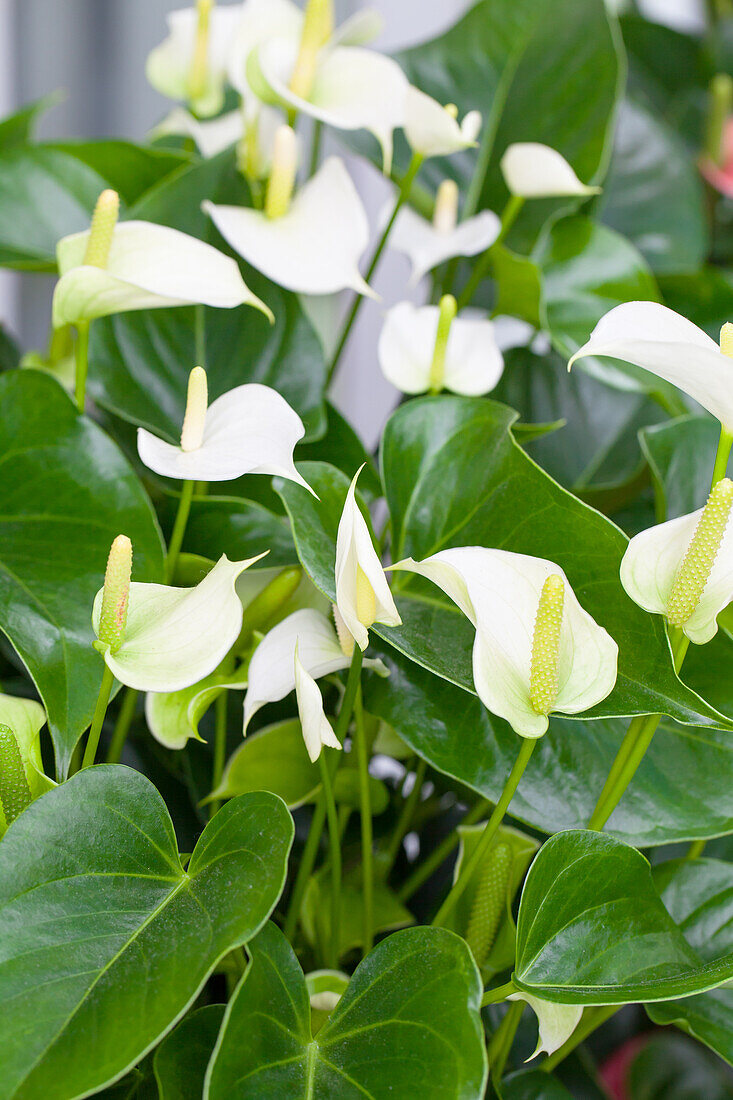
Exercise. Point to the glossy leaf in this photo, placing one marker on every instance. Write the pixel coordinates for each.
(129, 169)
(670, 1067)
(181, 1059)
(420, 983)
(67, 491)
(681, 454)
(96, 911)
(315, 915)
(592, 929)
(534, 1085)
(235, 527)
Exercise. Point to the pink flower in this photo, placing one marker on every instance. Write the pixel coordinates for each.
(720, 176)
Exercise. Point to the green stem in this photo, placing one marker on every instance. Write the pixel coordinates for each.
(402, 196)
(122, 726)
(696, 849)
(82, 363)
(305, 870)
(441, 852)
(347, 703)
(721, 458)
(200, 334)
(408, 809)
(315, 148)
(334, 834)
(179, 529)
(502, 1039)
(100, 710)
(492, 996)
(509, 216)
(591, 1020)
(220, 747)
(365, 808)
(490, 829)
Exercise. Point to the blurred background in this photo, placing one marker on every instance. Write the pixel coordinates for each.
(93, 52)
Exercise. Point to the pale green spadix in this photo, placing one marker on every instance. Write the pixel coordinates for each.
(21, 768)
(544, 671)
(104, 220)
(200, 63)
(116, 594)
(490, 901)
(694, 572)
(15, 792)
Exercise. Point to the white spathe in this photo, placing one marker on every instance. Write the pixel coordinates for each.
(535, 171)
(272, 668)
(249, 430)
(432, 131)
(473, 361)
(211, 136)
(650, 565)
(315, 247)
(316, 728)
(175, 637)
(353, 88)
(149, 267)
(170, 64)
(661, 341)
(359, 573)
(426, 247)
(25, 717)
(499, 592)
(556, 1022)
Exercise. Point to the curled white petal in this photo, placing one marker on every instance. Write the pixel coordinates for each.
(175, 637)
(499, 592)
(534, 171)
(316, 728)
(426, 247)
(150, 266)
(169, 65)
(259, 21)
(315, 247)
(650, 565)
(556, 1022)
(659, 340)
(249, 430)
(354, 552)
(211, 137)
(434, 132)
(473, 362)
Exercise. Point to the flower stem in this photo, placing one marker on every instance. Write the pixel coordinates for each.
(220, 747)
(722, 455)
(493, 996)
(200, 334)
(637, 740)
(440, 853)
(408, 809)
(502, 1039)
(82, 363)
(179, 529)
(695, 850)
(508, 218)
(100, 710)
(316, 139)
(365, 806)
(122, 726)
(334, 836)
(402, 197)
(490, 829)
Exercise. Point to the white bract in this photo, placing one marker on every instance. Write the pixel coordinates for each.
(249, 430)
(316, 728)
(659, 340)
(406, 351)
(556, 1022)
(174, 637)
(211, 137)
(433, 130)
(427, 244)
(683, 568)
(536, 650)
(272, 667)
(313, 247)
(363, 595)
(191, 63)
(535, 171)
(116, 267)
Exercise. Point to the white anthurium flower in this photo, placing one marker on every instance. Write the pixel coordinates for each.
(314, 244)
(683, 568)
(157, 638)
(433, 130)
(173, 717)
(363, 596)
(409, 352)
(535, 171)
(21, 768)
(116, 267)
(191, 63)
(249, 430)
(211, 136)
(556, 1022)
(537, 652)
(316, 728)
(657, 339)
(427, 244)
(272, 667)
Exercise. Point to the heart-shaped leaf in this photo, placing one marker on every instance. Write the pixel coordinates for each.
(102, 932)
(67, 491)
(592, 929)
(407, 1025)
(273, 759)
(181, 1059)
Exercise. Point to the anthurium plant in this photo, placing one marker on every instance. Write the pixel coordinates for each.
(399, 768)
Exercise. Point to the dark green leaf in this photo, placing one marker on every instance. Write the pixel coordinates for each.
(681, 455)
(315, 914)
(238, 528)
(66, 493)
(534, 1085)
(273, 759)
(407, 1026)
(669, 1067)
(105, 935)
(181, 1059)
(705, 297)
(129, 169)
